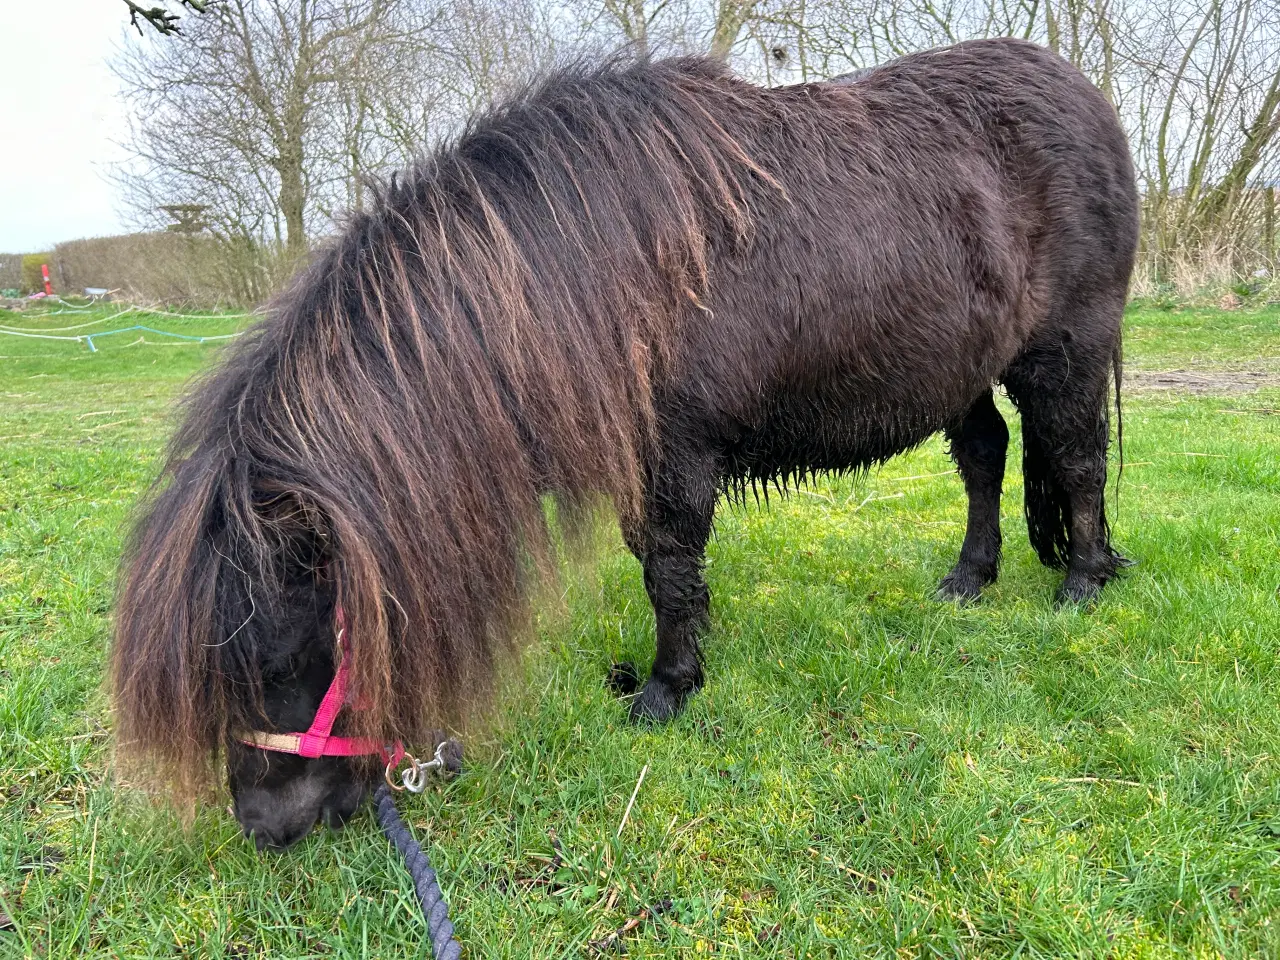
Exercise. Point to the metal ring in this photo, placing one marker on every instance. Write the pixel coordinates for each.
(391, 765)
(386, 775)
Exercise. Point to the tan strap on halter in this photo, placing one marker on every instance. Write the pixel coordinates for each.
(280, 742)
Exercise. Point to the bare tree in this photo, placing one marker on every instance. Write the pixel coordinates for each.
(227, 113)
(730, 17)
(275, 113)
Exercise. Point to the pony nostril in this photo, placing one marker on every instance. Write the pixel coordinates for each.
(332, 818)
(275, 841)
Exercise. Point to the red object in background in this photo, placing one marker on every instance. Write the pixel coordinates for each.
(48, 287)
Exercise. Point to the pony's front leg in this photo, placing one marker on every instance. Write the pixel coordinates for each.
(672, 546)
(681, 603)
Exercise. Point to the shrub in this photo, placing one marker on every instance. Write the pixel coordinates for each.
(172, 268)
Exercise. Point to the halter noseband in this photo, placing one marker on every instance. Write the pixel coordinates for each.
(318, 740)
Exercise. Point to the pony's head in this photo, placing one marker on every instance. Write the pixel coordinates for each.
(277, 792)
(225, 626)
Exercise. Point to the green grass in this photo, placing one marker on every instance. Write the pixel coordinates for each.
(1161, 339)
(867, 773)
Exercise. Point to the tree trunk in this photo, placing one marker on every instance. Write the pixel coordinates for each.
(632, 20)
(1051, 25)
(1219, 202)
(293, 197)
(1269, 228)
(731, 15)
(1107, 82)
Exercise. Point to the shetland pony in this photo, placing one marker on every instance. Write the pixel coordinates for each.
(649, 282)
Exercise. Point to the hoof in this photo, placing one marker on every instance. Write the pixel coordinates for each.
(963, 585)
(658, 702)
(623, 679)
(1079, 592)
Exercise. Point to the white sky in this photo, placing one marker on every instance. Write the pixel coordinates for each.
(59, 113)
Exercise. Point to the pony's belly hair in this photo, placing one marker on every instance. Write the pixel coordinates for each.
(804, 436)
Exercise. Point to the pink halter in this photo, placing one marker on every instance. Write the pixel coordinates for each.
(318, 741)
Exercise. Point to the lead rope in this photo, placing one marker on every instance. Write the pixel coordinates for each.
(435, 909)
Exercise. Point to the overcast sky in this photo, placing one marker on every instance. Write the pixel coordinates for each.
(59, 114)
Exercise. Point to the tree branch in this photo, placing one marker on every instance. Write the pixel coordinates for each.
(164, 22)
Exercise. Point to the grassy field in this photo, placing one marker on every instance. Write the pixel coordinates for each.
(869, 773)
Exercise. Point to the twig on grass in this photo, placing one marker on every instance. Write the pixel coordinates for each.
(114, 423)
(1104, 780)
(816, 495)
(920, 476)
(607, 941)
(631, 802)
(872, 498)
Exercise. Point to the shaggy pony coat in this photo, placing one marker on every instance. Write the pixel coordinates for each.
(650, 281)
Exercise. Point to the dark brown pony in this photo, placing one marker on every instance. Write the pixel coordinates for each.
(650, 281)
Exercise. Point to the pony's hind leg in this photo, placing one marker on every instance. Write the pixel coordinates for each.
(671, 544)
(979, 442)
(1061, 386)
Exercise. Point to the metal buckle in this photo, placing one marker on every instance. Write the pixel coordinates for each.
(414, 777)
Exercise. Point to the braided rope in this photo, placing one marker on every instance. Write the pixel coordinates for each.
(434, 907)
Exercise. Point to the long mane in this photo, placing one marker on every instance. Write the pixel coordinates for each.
(491, 330)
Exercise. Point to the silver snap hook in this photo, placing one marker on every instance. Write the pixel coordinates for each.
(414, 776)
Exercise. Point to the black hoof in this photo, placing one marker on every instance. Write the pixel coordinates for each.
(1079, 591)
(964, 585)
(623, 679)
(658, 703)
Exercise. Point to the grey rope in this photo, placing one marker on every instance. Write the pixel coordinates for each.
(425, 884)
